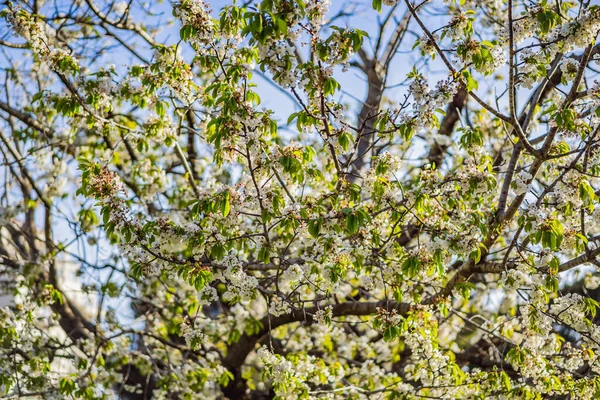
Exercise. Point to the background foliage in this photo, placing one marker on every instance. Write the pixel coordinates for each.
(263, 200)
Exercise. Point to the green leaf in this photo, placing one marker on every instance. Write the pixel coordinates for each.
(587, 194)
(390, 333)
(217, 252)
(551, 284)
(292, 117)
(354, 220)
(66, 386)
(186, 32)
(591, 306)
(281, 26)
(225, 204)
(411, 266)
(465, 288)
(330, 86)
(314, 227)
(581, 242)
(471, 83)
(160, 108)
(344, 140)
(37, 96)
(226, 378)
(264, 254)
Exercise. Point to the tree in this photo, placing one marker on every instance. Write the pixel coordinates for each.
(428, 231)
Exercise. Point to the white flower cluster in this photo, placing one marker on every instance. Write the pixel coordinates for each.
(579, 32)
(496, 60)
(193, 337)
(321, 316)
(207, 295)
(427, 46)
(290, 379)
(293, 273)
(316, 11)
(474, 178)
(592, 282)
(196, 14)
(520, 277)
(522, 30)
(522, 182)
(569, 68)
(430, 365)
(427, 101)
(278, 56)
(101, 90)
(571, 309)
(241, 285)
(383, 168)
(170, 70)
(529, 71)
(535, 215)
(45, 46)
(153, 178)
(456, 27)
(572, 34)
(279, 306)
(159, 128)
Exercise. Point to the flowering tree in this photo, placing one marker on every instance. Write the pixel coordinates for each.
(434, 238)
